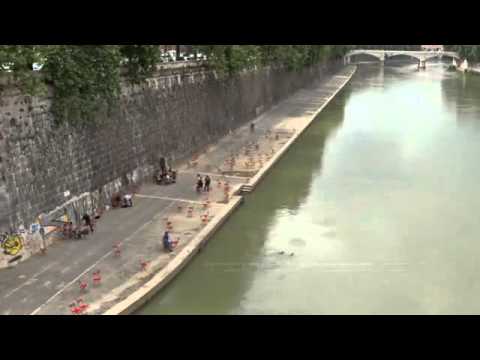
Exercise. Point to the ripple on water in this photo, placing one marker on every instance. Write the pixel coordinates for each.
(330, 234)
(325, 222)
(298, 242)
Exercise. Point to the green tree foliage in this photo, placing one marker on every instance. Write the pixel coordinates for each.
(140, 61)
(230, 59)
(470, 52)
(389, 47)
(18, 61)
(87, 77)
(84, 77)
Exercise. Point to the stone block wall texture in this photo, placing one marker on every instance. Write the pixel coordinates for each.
(175, 115)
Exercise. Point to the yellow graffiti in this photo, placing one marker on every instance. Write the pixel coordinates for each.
(12, 245)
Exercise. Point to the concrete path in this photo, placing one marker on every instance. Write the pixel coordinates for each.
(48, 284)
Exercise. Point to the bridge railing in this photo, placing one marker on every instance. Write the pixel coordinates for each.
(416, 54)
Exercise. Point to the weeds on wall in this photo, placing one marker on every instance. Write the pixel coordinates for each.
(85, 78)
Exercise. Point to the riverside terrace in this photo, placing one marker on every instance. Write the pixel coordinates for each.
(50, 284)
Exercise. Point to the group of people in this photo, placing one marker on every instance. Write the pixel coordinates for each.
(203, 184)
(164, 176)
(127, 201)
(85, 227)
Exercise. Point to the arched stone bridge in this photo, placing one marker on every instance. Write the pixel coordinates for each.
(421, 56)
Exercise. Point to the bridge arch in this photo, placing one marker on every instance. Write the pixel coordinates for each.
(421, 56)
(374, 54)
(443, 55)
(371, 55)
(412, 56)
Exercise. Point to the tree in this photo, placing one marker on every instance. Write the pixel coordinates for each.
(140, 61)
(87, 77)
(470, 52)
(18, 60)
(229, 59)
(84, 77)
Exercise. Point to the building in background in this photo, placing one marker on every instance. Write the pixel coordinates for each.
(183, 48)
(432, 48)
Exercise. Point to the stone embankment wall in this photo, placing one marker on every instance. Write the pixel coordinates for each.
(179, 111)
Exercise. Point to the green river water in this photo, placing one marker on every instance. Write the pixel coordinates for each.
(378, 202)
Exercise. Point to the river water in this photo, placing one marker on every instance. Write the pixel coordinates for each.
(376, 210)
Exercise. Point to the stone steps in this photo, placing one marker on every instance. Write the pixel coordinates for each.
(246, 188)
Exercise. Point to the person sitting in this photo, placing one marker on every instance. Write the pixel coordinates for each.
(167, 177)
(158, 177)
(116, 200)
(168, 244)
(88, 221)
(173, 175)
(81, 230)
(127, 201)
(68, 229)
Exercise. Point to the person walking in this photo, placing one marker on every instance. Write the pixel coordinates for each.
(167, 245)
(199, 184)
(207, 183)
(88, 221)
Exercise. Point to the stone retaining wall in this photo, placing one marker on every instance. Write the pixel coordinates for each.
(176, 114)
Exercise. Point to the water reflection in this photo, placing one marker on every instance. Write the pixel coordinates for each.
(372, 212)
(236, 253)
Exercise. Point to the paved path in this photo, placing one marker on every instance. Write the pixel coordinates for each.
(47, 284)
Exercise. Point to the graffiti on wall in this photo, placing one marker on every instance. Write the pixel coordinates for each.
(12, 244)
(23, 242)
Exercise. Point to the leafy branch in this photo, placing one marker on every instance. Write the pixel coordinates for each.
(86, 78)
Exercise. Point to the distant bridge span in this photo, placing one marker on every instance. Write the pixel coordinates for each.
(421, 56)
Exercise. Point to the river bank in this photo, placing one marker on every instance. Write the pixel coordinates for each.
(140, 268)
(474, 69)
(376, 224)
(286, 132)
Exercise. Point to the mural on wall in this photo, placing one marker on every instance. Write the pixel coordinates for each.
(21, 244)
(27, 241)
(72, 210)
(12, 244)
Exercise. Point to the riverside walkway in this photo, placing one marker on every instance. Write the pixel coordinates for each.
(49, 284)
